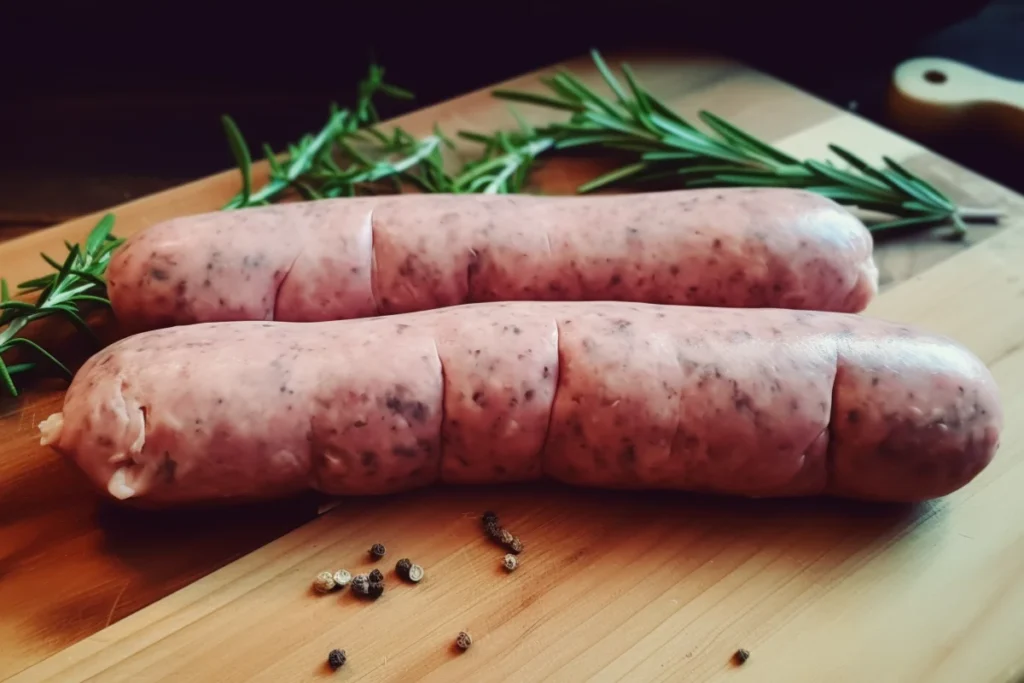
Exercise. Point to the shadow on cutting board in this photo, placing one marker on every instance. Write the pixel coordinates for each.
(564, 523)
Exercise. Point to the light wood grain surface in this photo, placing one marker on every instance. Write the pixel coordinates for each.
(612, 586)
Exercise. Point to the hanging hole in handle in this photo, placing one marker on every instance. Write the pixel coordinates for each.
(933, 76)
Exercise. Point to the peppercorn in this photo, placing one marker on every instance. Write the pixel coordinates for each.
(324, 582)
(506, 537)
(376, 576)
(375, 589)
(416, 573)
(377, 551)
(463, 640)
(402, 568)
(342, 578)
(360, 584)
(336, 659)
(741, 656)
(493, 530)
(515, 545)
(489, 518)
(511, 562)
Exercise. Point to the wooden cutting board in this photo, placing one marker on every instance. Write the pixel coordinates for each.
(612, 586)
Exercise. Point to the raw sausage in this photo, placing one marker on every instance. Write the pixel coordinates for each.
(763, 402)
(352, 258)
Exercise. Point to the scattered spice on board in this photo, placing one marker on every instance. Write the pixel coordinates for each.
(336, 659)
(493, 528)
(463, 641)
(741, 656)
(377, 551)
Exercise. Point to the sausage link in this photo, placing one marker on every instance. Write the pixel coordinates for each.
(353, 258)
(764, 402)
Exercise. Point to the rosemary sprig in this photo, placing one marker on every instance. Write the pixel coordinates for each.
(659, 146)
(75, 285)
(312, 158)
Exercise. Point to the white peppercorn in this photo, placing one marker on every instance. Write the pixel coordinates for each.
(324, 582)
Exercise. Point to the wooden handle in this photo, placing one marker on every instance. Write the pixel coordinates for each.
(932, 95)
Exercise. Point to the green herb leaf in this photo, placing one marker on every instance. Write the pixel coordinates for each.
(99, 234)
(743, 139)
(240, 150)
(8, 381)
(612, 177)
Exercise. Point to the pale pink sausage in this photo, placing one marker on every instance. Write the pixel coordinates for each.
(763, 402)
(352, 258)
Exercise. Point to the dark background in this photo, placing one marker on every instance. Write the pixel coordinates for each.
(104, 102)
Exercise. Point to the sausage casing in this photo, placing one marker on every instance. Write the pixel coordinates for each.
(340, 259)
(761, 402)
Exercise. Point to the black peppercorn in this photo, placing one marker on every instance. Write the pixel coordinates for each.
(375, 589)
(402, 568)
(360, 584)
(377, 551)
(489, 518)
(376, 576)
(463, 641)
(515, 545)
(336, 659)
(493, 530)
(741, 655)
